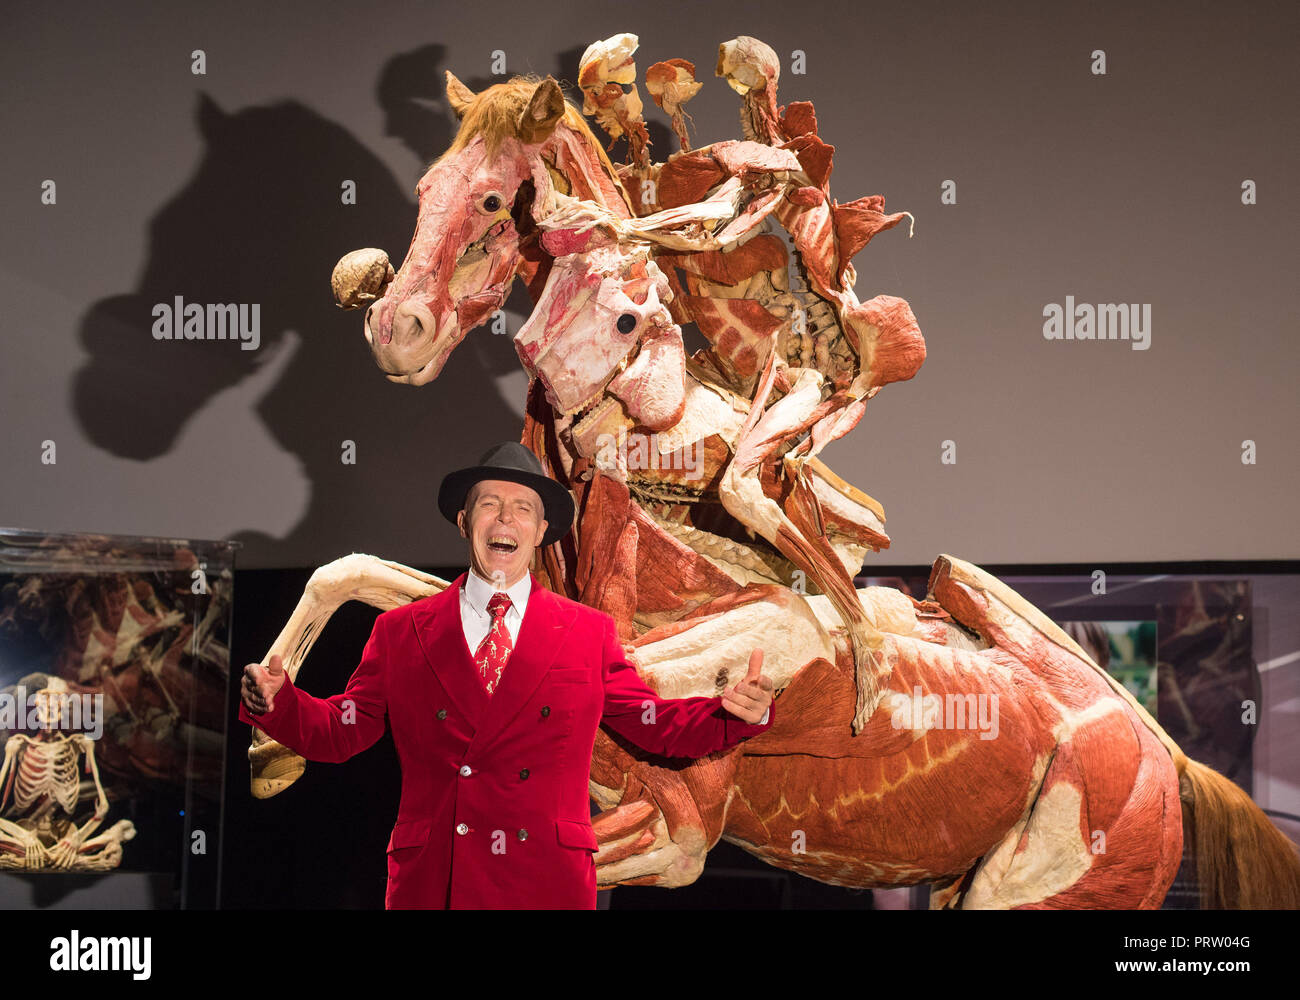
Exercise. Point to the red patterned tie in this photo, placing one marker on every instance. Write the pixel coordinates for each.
(495, 648)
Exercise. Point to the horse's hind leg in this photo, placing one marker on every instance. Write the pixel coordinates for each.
(1105, 831)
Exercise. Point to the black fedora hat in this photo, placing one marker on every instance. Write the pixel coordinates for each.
(514, 463)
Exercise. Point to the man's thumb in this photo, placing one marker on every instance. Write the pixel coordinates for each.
(275, 666)
(755, 666)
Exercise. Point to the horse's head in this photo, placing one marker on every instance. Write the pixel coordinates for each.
(602, 342)
(478, 203)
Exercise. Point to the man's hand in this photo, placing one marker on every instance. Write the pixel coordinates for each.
(749, 700)
(260, 684)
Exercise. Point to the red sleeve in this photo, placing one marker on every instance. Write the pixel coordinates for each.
(670, 727)
(335, 728)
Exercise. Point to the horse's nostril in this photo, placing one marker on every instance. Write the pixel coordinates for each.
(407, 324)
(413, 323)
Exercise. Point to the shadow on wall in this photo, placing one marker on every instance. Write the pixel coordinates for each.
(260, 226)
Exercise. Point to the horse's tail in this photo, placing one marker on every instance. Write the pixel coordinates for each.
(1243, 861)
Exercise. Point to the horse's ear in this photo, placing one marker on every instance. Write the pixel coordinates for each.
(459, 96)
(545, 109)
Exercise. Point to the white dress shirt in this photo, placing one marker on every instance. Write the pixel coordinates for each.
(476, 621)
(474, 616)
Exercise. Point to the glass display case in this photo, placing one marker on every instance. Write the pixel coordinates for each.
(114, 676)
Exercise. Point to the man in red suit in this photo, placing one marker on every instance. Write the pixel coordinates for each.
(494, 690)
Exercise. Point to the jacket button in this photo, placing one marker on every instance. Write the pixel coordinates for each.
(462, 828)
(522, 835)
(524, 774)
(546, 710)
(465, 771)
(442, 714)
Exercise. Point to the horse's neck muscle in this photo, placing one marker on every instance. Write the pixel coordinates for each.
(588, 173)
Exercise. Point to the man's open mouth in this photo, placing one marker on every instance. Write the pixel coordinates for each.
(500, 543)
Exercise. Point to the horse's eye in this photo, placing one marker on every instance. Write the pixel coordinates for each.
(492, 203)
(626, 323)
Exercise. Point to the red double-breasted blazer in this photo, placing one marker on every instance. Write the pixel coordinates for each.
(494, 811)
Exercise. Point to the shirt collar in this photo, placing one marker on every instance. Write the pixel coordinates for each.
(479, 591)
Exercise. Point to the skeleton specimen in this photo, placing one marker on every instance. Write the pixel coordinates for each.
(41, 792)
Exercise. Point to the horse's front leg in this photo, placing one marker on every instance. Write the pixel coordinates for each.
(802, 541)
(659, 822)
(357, 577)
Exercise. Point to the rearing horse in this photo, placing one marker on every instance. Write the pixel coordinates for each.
(1001, 818)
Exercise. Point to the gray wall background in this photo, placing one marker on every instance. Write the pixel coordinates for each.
(225, 187)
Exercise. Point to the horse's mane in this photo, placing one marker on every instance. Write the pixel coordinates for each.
(494, 114)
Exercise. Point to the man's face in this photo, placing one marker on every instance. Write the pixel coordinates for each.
(504, 524)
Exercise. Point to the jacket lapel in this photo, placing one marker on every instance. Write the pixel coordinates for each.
(545, 628)
(441, 636)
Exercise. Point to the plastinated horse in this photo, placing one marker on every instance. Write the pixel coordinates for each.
(997, 762)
